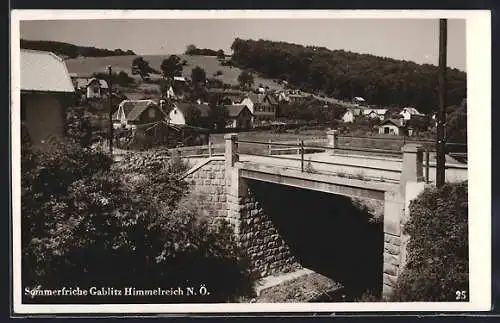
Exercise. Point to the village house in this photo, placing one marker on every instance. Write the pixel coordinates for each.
(375, 113)
(297, 97)
(96, 88)
(358, 100)
(92, 87)
(350, 115)
(283, 97)
(180, 79)
(239, 117)
(391, 127)
(408, 113)
(134, 113)
(262, 106)
(170, 93)
(180, 114)
(46, 93)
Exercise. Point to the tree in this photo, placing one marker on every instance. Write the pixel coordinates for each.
(246, 79)
(171, 66)
(218, 114)
(456, 125)
(193, 116)
(198, 75)
(190, 49)
(123, 79)
(141, 67)
(383, 81)
(164, 86)
(220, 54)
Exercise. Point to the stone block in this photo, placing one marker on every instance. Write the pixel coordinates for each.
(391, 259)
(390, 280)
(390, 269)
(392, 239)
(392, 249)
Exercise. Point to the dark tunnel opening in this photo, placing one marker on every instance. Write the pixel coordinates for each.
(329, 234)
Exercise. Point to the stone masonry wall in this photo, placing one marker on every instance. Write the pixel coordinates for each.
(209, 182)
(267, 251)
(226, 192)
(392, 262)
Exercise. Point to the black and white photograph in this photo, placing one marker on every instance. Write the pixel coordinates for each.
(250, 161)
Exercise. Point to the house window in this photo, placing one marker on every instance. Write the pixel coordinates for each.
(386, 130)
(151, 113)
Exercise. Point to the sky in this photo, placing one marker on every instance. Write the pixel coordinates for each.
(410, 39)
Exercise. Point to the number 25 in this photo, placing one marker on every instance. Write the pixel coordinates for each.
(461, 295)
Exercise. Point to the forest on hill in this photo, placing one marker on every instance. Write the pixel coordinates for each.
(343, 74)
(67, 50)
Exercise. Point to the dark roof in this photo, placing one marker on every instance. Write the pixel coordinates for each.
(134, 108)
(234, 110)
(395, 122)
(272, 99)
(203, 108)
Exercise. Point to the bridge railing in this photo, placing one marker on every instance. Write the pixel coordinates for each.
(297, 151)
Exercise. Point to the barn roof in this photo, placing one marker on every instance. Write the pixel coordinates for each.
(44, 72)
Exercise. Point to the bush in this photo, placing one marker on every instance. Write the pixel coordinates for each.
(438, 263)
(87, 224)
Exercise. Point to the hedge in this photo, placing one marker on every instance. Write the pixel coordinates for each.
(438, 263)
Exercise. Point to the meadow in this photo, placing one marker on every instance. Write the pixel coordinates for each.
(86, 66)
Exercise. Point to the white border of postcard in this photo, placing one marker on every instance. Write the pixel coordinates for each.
(478, 37)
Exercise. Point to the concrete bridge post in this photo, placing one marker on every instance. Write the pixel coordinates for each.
(412, 170)
(396, 214)
(231, 152)
(333, 140)
(235, 185)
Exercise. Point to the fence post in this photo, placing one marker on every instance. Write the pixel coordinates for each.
(332, 137)
(302, 155)
(427, 162)
(298, 146)
(231, 152)
(209, 149)
(269, 148)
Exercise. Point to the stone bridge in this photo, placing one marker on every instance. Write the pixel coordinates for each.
(227, 183)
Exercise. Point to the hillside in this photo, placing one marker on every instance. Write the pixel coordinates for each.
(85, 66)
(342, 74)
(67, 50)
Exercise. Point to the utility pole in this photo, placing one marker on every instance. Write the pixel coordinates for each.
(440, 142)
(110, 88)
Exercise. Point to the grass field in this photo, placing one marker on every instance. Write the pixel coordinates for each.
(85, 66)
